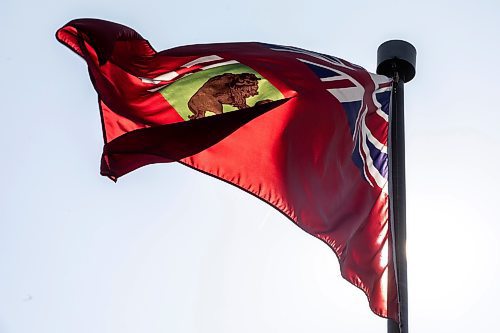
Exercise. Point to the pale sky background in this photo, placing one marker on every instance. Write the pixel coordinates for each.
(80, 254)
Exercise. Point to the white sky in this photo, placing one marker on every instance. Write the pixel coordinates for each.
(169, 250)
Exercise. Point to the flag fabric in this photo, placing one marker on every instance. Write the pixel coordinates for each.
(303, 131)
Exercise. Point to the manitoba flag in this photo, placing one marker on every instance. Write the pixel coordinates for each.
(303, 131)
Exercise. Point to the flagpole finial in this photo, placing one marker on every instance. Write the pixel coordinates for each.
(397, 56)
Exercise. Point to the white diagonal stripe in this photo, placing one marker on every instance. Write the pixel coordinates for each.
(220, 64)
(166, 77)
(202, 60)
(380, 146)
(333, 78)
(319, 65)
(352, 94)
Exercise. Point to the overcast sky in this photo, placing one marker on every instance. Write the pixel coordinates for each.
(81, 254)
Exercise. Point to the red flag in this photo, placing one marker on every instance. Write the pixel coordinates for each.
(303, 131)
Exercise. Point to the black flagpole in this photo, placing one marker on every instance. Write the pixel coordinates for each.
(397, 59)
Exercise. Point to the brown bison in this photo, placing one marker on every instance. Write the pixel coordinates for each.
(232, 89)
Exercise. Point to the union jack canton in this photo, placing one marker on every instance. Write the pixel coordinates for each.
(366, 108)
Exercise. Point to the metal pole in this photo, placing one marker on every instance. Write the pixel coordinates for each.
(397, 59)
(397, 203)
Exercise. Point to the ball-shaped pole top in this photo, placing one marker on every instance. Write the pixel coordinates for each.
(397, 56)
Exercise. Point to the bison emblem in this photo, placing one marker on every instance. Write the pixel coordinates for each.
(232, 89)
